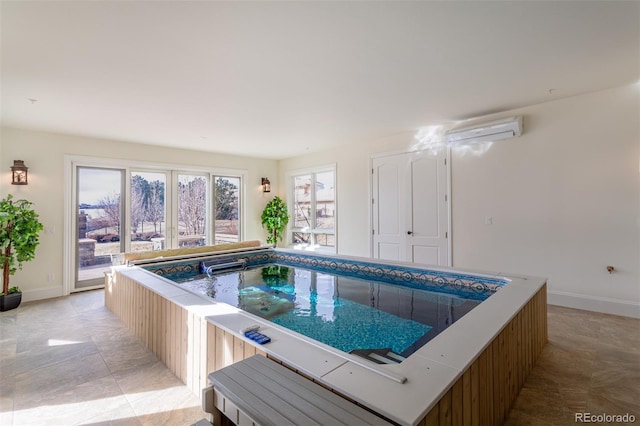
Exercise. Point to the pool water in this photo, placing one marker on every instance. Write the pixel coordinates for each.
(346, 313)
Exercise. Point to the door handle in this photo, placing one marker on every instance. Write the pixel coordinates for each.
(409, 232)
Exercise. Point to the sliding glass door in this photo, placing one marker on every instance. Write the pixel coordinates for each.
(227, 209)
(99, 192)
(147, 211)
(192, 210)
(117, 207)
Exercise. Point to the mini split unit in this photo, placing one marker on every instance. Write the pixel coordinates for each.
(484, 132)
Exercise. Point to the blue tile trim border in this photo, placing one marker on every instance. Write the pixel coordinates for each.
(416, 277)
(408, 276)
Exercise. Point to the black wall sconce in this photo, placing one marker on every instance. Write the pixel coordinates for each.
(266, 185)
(19, 173)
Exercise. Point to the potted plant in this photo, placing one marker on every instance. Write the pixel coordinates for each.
(275, 217)
(19, 231)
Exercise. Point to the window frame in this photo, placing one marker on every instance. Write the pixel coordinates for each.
(241, 203)
(312, 230)
(72, 162)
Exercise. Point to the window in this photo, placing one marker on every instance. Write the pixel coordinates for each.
(118, 206)
(98, 221)
(227, 206)
(314, 209)
(147, 210)
(192, 210)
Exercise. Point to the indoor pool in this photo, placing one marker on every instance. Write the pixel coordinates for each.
(381, 321)
(474, 352)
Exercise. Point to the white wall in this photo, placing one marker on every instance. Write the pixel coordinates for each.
(44, 154)
(564, 199)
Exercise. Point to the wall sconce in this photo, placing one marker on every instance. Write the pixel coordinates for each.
(266, 185)
(19, 173)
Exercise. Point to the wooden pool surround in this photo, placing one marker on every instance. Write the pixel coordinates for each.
(192, 347)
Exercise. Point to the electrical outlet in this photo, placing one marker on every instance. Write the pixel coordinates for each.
(51, 276)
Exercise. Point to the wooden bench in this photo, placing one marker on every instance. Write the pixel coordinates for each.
(259, 391)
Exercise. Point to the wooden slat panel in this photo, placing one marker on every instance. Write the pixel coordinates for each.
(136, 310)
(502, 377)
(519, 351)
(171, 337)
(433, 417)
(483, 413)
(168, 332)
(184, 342)
(203, 354)
(249, 350)
(457, 403)
(146, 323)
(228, 349)
(220, 363)
(155, 322)
(466, 398)
(475, 392)
(238, 349)
(189, 355)
(513, 363)
(444, 416)
(211, 347)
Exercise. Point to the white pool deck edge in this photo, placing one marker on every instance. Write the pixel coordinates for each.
(430, 371)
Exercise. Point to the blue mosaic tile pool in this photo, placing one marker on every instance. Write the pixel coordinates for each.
(468, 286)
(340, 310)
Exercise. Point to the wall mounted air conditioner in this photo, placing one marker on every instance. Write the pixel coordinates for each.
(484, 132)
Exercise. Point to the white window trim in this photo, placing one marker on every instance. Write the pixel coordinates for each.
(291, 196)
(71, 162)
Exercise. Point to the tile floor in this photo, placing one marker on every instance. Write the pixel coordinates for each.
(70, 361)
(591, 364)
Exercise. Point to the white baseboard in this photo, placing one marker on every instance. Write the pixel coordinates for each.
(41, 293)
(595, 304)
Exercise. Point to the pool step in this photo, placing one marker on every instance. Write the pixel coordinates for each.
(379, 356)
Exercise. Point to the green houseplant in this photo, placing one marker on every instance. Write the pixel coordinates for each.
(19, 236)
(275, 217)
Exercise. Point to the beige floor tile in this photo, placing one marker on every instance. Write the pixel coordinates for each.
(591, 364)
(184, 416)
(49, 385)
(70, 361)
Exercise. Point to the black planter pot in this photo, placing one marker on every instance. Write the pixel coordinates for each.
(10, 301)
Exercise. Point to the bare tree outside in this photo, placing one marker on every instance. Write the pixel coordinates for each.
(155, 205)
(139, 194)
(110, 205)
(101, 215)
(192, 209)
(147, 210)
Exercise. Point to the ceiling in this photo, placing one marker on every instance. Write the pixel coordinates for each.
(279, 79)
